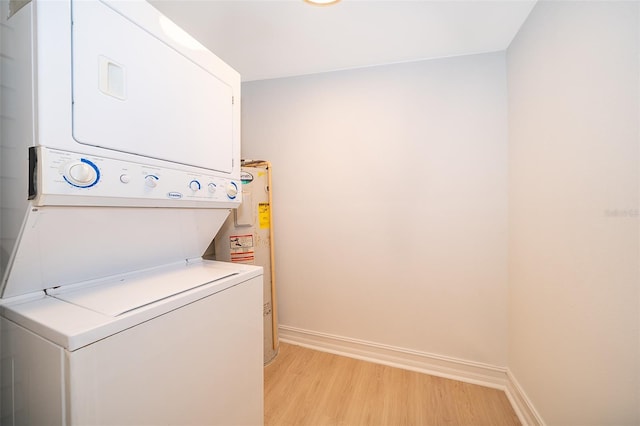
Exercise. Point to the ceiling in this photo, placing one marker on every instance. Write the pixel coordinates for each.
(264, 39)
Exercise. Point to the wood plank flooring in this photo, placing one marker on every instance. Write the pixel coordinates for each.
(307, 387)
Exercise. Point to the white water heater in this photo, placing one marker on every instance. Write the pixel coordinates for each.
(247, 237)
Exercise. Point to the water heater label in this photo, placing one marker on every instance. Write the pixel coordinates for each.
(241, 248)
(264, 215)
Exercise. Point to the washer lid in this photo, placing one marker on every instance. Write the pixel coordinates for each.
(63, 246)
(72, 326)
(129, 292)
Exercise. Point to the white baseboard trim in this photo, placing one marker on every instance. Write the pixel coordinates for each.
(436, 365)
(521, 403)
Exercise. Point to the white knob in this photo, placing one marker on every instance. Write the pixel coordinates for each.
(232, 190)
(194, 185)
(212, 188)
(125, 178)
(151, 181)
(81, 173)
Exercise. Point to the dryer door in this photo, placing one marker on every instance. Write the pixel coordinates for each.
(134, 92)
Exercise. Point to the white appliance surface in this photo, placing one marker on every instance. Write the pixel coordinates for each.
(75, 316)
(181, 104)
(194, 358)
(127, 293)
(122, 112)
(122, 160)
(62, 246)
(70, 178)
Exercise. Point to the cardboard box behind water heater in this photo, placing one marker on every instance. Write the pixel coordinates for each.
(244, 238)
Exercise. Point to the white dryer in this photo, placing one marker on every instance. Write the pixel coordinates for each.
(120, 162)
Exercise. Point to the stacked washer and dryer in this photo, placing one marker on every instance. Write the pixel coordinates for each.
(120, 160)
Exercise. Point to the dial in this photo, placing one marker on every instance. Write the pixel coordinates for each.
(151, 181)
(212, 188)
(232, 190)
(81, 174)
(194, 185)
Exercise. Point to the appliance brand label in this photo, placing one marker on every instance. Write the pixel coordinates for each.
(246, 177)
(174, 195)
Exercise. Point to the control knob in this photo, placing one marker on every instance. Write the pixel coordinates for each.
(194, 185)
(81, 174)
(151, 181)
(232, 190)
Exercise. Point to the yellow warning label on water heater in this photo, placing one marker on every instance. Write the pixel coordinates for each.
(264, 214)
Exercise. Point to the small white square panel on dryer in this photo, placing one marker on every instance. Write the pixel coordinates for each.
(112, 78)
(167, 107)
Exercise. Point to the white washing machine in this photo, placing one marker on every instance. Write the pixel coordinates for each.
(175, 345)
(120, 162)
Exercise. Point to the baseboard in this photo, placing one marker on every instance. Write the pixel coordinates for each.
(436, 365)
(521, 403)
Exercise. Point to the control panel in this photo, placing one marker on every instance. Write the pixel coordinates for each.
(67, 174)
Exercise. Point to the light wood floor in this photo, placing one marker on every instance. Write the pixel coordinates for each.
(307, 387)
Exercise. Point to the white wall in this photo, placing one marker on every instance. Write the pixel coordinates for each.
(573, 212)
(390, 202)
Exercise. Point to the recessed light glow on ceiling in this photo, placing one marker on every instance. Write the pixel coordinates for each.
(322, 2)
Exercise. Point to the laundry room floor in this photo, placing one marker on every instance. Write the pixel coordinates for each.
(308, 387)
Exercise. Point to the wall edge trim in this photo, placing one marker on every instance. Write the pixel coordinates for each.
(436, 365)
(422, 362)
(521, 403)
